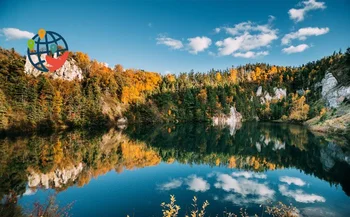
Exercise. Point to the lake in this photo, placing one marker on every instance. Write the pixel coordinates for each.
(131, 171)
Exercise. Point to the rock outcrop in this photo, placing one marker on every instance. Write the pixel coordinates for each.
(279, 93)
(69, 70)
(56, 179)
(333, 93)
(233, 120)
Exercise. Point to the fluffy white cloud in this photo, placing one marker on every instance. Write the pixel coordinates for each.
(299, 14)
(14, 34)
(249, 175)
(198, 44)
(303, 33)
(297, 49)
(251, 54)
(292, 180)
(197, 184)
(243, 187)
(175, 183)
(246, 36)
(300, 196)
(170, 42)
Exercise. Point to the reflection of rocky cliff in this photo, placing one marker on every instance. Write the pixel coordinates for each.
(75, 158)
(57, 178)
(255, 146)
(64, 160)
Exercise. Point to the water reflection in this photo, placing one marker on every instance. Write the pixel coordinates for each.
(255, 147)
(29, 164)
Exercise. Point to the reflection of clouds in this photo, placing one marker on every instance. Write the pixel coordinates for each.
(239, 200)
(292, 180)
(197, 184)
(175, 183)
(318, 211)
(247, 191)
(193, 182)
(300, 196)
(243, 186)
(249, 175)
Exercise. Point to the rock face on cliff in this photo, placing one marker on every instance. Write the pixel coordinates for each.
(58, 178)
(265, 97)
(69, 70)
(232, 120)
(333, 93)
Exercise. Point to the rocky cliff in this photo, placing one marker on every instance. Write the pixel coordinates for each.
(333, 92)
(69, 71)
(279, 93)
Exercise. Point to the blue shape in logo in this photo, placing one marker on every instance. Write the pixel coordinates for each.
(43, 46)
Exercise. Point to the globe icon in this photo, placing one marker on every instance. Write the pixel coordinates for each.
(42, 46)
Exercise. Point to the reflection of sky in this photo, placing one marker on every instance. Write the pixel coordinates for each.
(141, 191)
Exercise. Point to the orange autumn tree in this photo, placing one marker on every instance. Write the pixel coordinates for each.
(138, 84)
(300, 108)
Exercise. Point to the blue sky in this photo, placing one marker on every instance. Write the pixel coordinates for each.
(177, 36)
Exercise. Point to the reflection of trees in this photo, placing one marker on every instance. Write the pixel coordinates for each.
(258, 147)
(71, 158)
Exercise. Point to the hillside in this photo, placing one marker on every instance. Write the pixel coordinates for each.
(88, 93)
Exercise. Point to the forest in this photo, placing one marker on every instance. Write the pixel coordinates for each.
(106, 94)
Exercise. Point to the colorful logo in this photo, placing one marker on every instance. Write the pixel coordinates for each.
(47, 51)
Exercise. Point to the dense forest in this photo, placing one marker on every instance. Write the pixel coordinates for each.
(104, 94)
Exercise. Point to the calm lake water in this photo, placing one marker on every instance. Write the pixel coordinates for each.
(132, 171)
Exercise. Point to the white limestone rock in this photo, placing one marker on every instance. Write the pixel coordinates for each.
(279, 93)
(233, 120)
(69, 70)
(332, 93)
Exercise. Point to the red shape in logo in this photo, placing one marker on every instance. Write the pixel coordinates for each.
(56, 63)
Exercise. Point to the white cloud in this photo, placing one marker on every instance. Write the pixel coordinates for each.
(197, 184)
(303, 33)
(175, 183)
(14, 34)
(170, 42)
(297, 49)
(246, 36)
(299, 14)
(251, 54)
(300, 196)
(198, 44)
(292, 180)
(249, 175)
